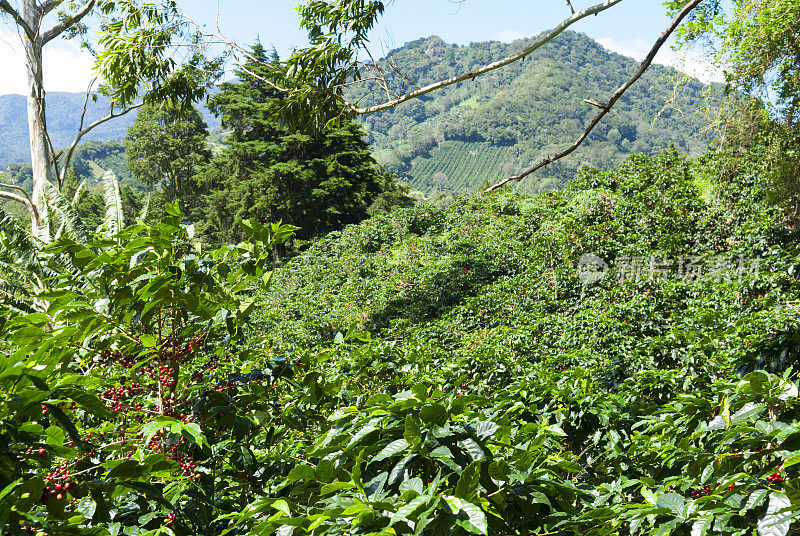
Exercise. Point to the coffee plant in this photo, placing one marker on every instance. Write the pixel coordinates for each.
(432, 371)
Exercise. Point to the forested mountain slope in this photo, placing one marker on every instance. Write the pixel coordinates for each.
(455, 139)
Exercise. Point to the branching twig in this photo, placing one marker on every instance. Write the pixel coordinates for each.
(614, 98)
(8, 8)
(81, 133)
(68, 22)
(23, 198)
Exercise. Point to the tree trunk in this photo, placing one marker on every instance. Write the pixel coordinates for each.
(40, 160)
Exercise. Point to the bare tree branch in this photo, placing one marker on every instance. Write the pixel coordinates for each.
(86, 102)
(81, 133)
(8, 8)
(68, 22)
(23, 198)
(593, 102)
(572, 9)
(549, 36)
(614, 98)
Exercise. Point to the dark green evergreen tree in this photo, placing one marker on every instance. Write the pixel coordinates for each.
(318, 182)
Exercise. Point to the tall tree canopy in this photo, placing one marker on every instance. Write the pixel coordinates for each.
(164, 147)
(317, 182)
(757, 45)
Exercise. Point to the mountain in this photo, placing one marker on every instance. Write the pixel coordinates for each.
(63, 119)
(455, 139)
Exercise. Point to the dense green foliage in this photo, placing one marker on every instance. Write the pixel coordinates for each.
(428, 371)
(531, 109)
(756, 43)
(164, 148)
(317, 182)
(619, 357)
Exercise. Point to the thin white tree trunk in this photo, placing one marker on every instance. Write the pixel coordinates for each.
(36, 114)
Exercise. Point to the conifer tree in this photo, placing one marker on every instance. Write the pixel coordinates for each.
(318, 182)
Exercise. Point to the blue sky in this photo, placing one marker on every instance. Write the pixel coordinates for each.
(628, 28)
(630, 24)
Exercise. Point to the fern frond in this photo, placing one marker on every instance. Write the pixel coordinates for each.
(65, 215)
(145, 208)
(114, 221)
(16, 297)
(15, 243)
(78, 193)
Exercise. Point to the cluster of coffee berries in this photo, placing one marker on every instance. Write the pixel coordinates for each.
(62, 472)
(180, 351)
(58, 491)
(775, 478)
(187, 465)
(118, 396)
(226, 386)
(699, 492)
(170, 518)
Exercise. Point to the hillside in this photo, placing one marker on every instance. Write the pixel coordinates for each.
(455, 139)
(63, 118)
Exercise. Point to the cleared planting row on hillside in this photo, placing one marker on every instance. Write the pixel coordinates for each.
(457, 166)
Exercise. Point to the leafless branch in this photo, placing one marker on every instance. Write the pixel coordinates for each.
(547, 37)
(23, 198)
(81, 133)
(53, 156)
(8, 8)
(86, 102)
(614, 98)
(219, 38)
(595, 103)
(68, 22)
(572, 9)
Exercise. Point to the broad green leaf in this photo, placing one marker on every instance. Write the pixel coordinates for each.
(747, 412)
(776, 521)
(475, 521)
(336, 486)
(433, 414)
(701, 526)
(301, 472)
(467, 485)
(392, 449)
(755, 500)
(124, 469)
(324, 470)
(674, 502)
(406, 510)
(411, 432)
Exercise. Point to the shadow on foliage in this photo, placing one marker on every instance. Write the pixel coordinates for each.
(437, 293)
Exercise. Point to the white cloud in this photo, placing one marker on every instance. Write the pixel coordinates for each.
(689, 63)
(507, 35)
(636, 49)
(66, 66)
